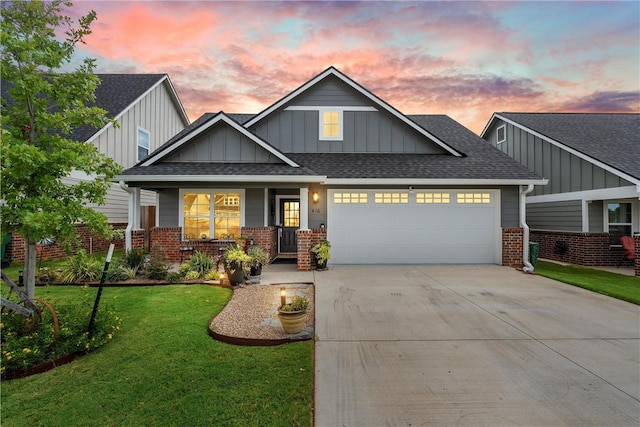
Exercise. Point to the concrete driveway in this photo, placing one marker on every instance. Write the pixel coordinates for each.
(471, 345)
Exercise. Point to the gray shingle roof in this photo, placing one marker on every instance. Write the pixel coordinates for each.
(216, 168)
(613, 139)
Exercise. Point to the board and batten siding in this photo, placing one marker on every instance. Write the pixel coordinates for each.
(156, 113)
(222, 143)
(565, 215)
(297, 131)
(566, 172)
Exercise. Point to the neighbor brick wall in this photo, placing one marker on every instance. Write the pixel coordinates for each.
(512, 247)
(636, 238)
(88, 242)
(306, 240)
(588, 249)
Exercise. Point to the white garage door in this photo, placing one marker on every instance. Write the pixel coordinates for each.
(414, 227)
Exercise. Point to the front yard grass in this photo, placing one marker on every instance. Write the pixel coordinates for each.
(163, 369)
(615, 285)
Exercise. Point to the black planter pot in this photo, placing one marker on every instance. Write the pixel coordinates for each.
(256, 271)
(235, 275)
(321, 265)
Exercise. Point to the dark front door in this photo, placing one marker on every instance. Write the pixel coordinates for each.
(290, 214)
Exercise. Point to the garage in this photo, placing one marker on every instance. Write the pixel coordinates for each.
(414, 226)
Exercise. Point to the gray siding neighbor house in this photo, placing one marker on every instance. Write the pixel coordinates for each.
(331, 160)
(592, 162)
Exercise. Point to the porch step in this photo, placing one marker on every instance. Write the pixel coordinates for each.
(287, 256)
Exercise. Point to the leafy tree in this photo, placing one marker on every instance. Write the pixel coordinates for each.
(44, 106)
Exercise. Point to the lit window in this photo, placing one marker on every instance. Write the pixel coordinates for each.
(350, 198)
(432, 198)
(501, 134)
(198, 222)
(619, 221)
(292, 214)
(331, 125)
(143, 144)
(474, 198)
(391, 198)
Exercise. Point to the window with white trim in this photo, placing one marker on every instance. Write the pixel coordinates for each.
(619, 221)
(501, 134)
(437, 198)
(214, 213)
(391, 198)
(473, 198)
(331, 125)
(143, 143)
(350, 198)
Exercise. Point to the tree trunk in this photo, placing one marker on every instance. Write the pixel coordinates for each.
(30, 268)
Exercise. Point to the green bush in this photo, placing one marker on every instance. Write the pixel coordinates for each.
(134, 258)
(158, 266)
(192, 275)
(212, 275)
(82, 267)
(116, 272)
(23, 348)
(201, 263)
(174, 277)
(47, 275)
(183, 269)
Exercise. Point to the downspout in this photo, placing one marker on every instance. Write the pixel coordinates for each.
(528, 268)
(127, 231)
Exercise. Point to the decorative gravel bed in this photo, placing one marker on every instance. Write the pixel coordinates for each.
(252, 312)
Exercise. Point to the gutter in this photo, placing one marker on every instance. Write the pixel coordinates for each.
(528, 268)
(127, 231)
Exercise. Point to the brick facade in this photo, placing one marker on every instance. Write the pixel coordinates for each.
(588, 249)
(306, 240)
(636, 238)
(512, 239)
(88, 242)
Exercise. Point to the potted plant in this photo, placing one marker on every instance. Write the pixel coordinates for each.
(293, 316)
(236, 263)
(322, 255)
(259, 258)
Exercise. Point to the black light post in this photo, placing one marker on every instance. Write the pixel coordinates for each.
(102, 279)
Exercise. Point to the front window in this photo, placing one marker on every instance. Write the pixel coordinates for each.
(209, 214)
(331, 125)
(619, 221)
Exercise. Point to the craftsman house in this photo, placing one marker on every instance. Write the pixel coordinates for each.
(331, 160)
(592, 162)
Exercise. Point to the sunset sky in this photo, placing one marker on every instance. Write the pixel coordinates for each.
(462, 59)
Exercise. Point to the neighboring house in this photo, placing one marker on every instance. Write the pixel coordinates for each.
(592, 162)
(332, 160)
(148, 112)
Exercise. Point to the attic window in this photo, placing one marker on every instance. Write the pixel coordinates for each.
(143, 144)
(330, 125)
(501, 134)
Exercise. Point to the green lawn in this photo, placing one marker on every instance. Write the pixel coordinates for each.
(163, 369)
(619, 286)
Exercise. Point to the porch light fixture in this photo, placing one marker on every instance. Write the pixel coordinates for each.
(283, 297)
(315, 197)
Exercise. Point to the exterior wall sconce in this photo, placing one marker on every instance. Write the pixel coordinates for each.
(315, 197)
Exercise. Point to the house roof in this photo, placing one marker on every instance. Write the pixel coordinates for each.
(116, 93)
(482, 163)
(613, 139)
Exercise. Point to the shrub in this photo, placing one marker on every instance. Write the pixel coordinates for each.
(183, 269)
(174, 277)
(158, 266)
(23, 349)
(127, 272)
(115, 273)
(134, 258)
(82, 267)
(201, 263)
(212, 275)
(192, 275)
(47, 275)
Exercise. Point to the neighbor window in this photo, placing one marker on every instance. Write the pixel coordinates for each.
(619, 221)
(143, 144)
(501, 133)
(331, 125)
(209, 214)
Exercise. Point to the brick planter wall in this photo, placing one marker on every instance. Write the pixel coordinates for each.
(265, 237)
(588, 249)
(88, 242)
(306, 240)
(512, 247)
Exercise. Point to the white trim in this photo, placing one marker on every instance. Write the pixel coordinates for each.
(182, 191)
(568, 149)
(219, 178)
(427, 181)
(138, 129)
(266, 207)
(332, 108)
(174, 95)
(629, 192)
(504, 128)
(585, 216)
(304, 209)
(215, 119)
(333, 71)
